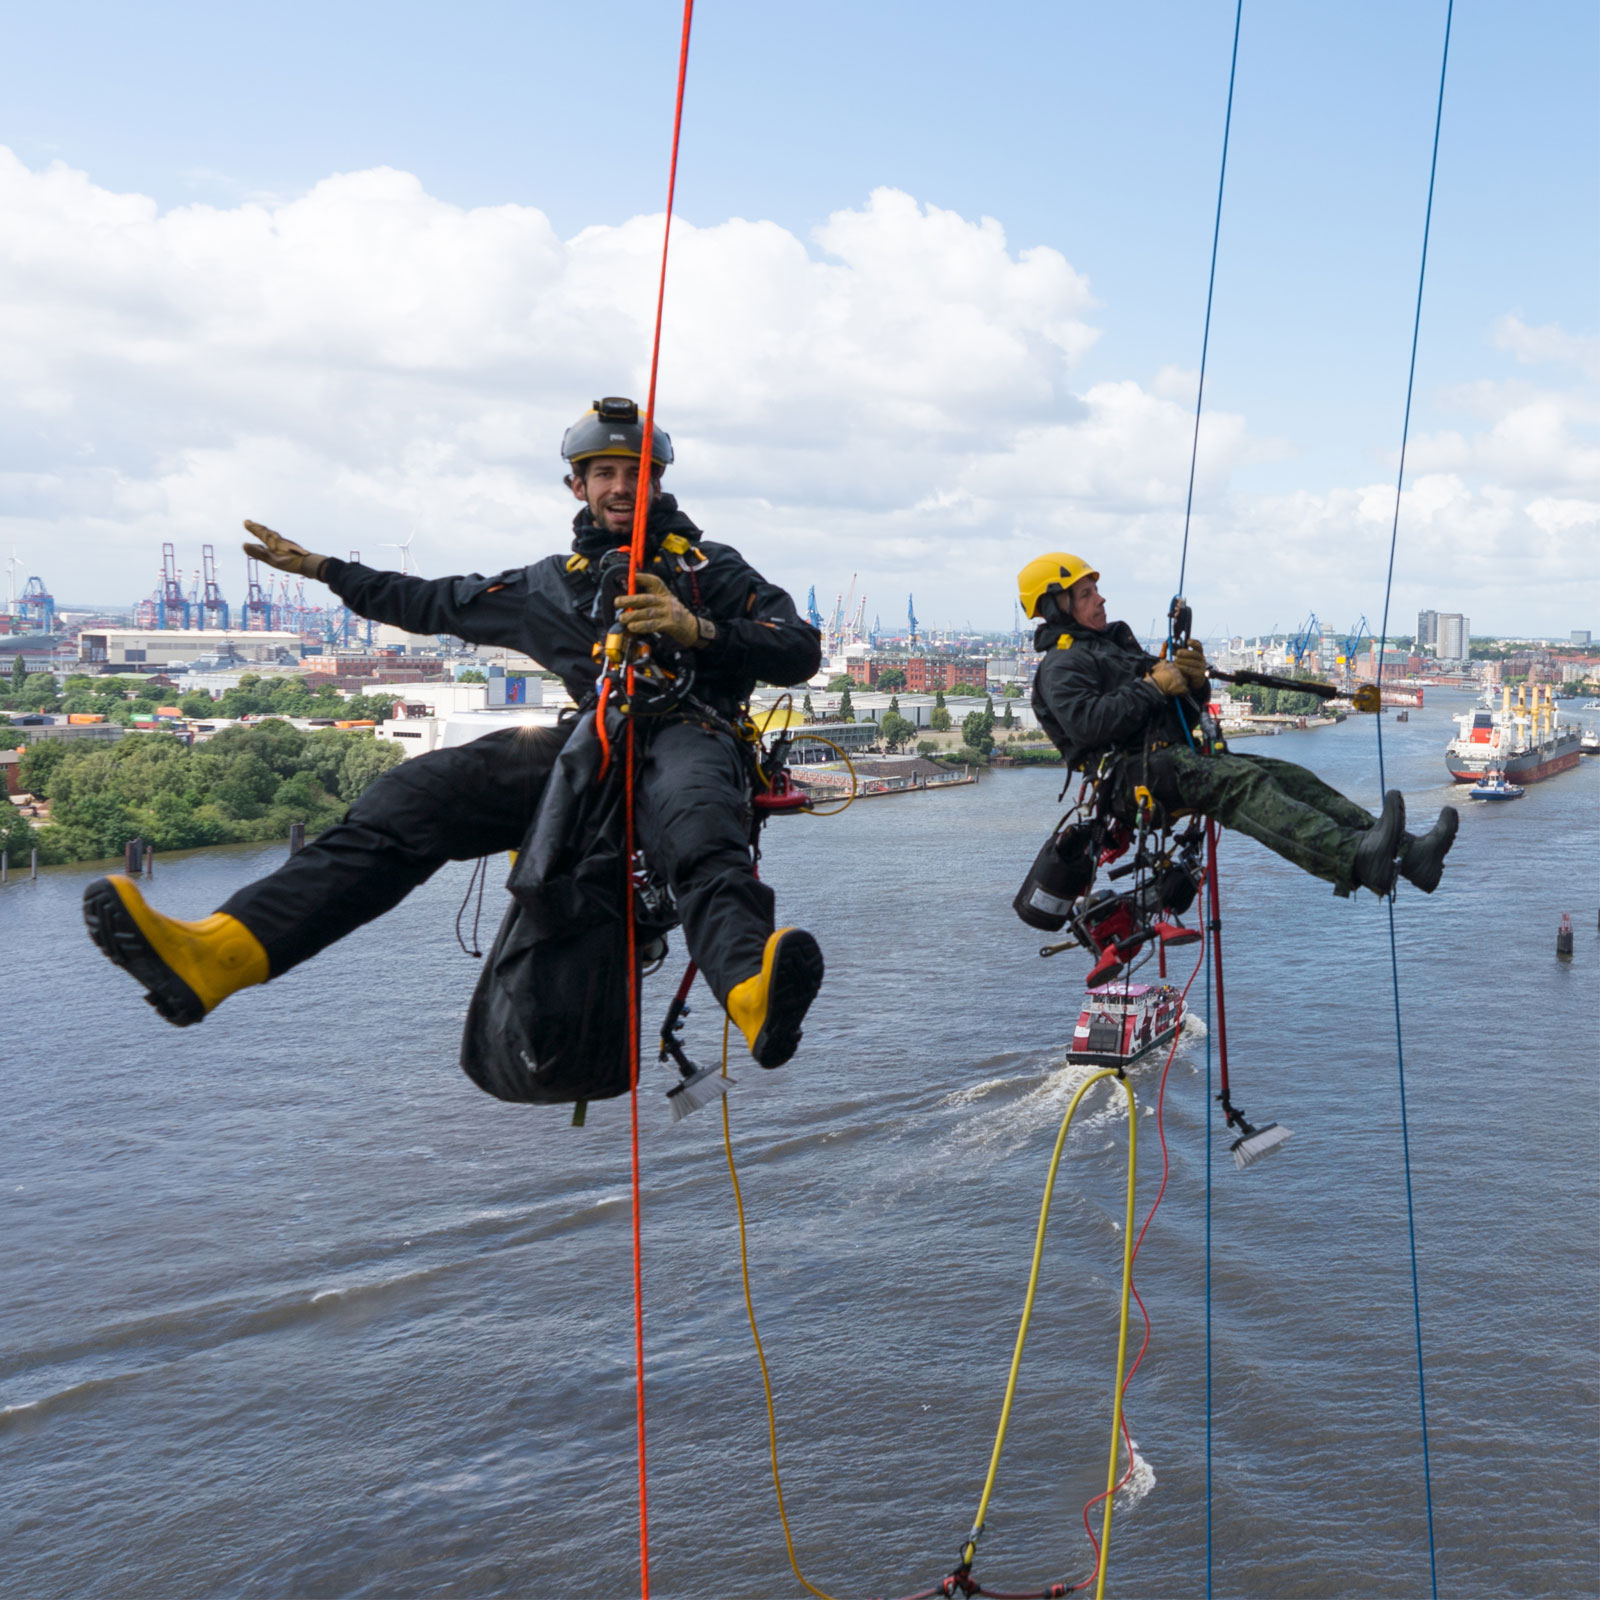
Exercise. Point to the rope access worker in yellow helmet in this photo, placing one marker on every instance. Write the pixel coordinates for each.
(698, 602)
(1109, 707)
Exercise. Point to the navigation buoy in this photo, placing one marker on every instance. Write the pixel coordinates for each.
(1564, 938)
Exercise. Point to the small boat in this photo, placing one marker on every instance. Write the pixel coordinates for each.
(1402, 716)
(1493, 786)
(1589, 742)
(1121, 1022)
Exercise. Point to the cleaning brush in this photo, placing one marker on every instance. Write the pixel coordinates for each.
(696, 1089)
(1254, 1143)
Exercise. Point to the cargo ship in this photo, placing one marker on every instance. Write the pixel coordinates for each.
(1526, 741)
(1121, 1022)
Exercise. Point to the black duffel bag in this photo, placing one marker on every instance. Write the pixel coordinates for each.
(548, 1023)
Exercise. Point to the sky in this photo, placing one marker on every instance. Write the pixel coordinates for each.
(935, 301)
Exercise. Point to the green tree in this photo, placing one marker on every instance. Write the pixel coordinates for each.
(895, 730)
(19, 675)
(17, 837)
(892, 678)
(245, 784)
(1006, 721)
(939, 719)
(807, 707)
(938, 699)
(977, 731)
(840, 681)
(926, 747)
(847, 710)
(38, 765)
(367, 708)
(471, 675)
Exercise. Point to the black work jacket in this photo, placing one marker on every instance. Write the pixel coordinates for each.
(1091, 693)
(544, 609)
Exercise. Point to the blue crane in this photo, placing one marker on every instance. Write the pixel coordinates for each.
(1300, 645)
(811, 609)
(37, 605)
(911, 617)
(1351, 643)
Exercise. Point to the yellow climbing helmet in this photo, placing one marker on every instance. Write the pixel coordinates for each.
(1057, 570)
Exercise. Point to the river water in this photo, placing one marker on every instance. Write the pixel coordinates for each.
(289, 1308)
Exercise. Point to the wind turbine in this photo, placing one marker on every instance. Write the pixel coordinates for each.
(405, 553)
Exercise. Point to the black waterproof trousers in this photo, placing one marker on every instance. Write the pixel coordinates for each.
(478, 800)
(1289, 810)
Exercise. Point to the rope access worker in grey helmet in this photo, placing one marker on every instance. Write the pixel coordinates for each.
(1108, 706)
(695, 600)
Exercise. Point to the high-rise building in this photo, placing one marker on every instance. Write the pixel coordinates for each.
(1427, 629)
(1454, 641)
(1580, 636)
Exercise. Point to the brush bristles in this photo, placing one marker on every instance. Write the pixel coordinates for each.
(1260, 1143)
(697, 1091)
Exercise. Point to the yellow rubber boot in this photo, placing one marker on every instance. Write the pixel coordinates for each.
(187, 968)
(769, 1007)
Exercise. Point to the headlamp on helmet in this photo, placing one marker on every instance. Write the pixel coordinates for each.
(613, 427)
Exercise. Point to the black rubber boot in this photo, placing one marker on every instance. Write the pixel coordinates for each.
(1375, 867)
(1422, 860)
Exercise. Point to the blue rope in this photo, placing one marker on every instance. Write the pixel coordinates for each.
(1183, 567)
(1394, 956)
(1211, 285)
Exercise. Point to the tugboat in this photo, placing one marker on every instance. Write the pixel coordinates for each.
(1527, 743)
(1122, 1022)
(1493, 786)
(1589, 742)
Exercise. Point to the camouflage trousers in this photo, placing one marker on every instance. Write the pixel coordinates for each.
(1289, 810)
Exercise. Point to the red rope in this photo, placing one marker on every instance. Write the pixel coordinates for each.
(641, 514)
(1166, 1167)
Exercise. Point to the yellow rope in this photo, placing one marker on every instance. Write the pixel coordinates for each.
(971, 1549)
(755, 1333)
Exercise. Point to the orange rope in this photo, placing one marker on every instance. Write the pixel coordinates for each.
(641, 514)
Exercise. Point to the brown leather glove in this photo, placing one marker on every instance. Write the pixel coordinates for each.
(1168, 677)
(284, 554)
(656, 609)
(1191, 662)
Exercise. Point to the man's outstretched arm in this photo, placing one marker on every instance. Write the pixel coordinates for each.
(479, 610)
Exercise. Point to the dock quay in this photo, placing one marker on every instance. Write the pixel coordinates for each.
(879, 775)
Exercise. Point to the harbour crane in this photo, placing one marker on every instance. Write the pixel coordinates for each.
(1300, 645)
(258, 601)
(36, 605)
(812, 613)
(171, 602)
(911, 617)
(212, 605)
(1350, 644)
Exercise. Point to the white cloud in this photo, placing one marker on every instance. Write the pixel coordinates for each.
(893, 396)
(1548, 345)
